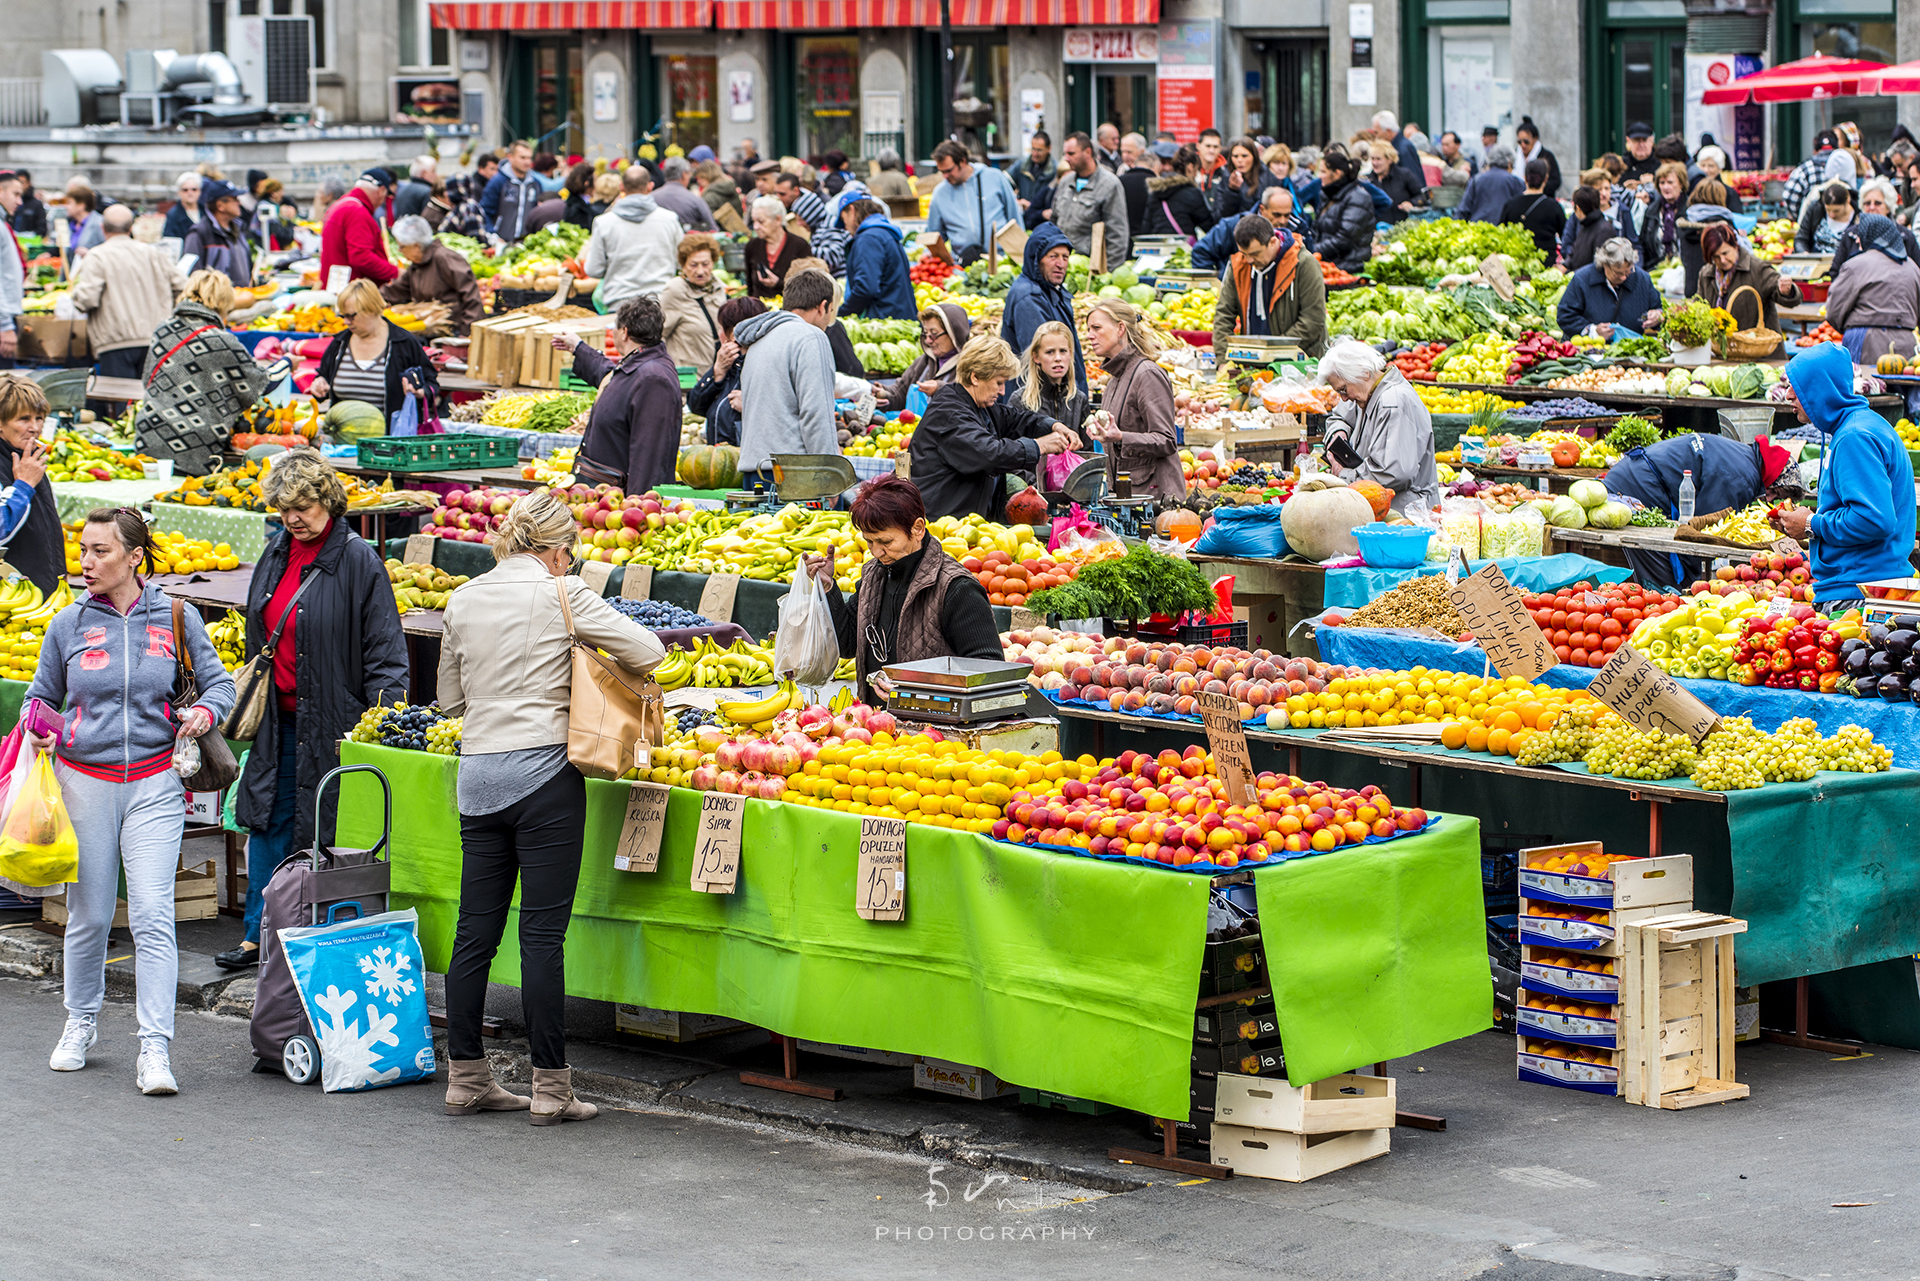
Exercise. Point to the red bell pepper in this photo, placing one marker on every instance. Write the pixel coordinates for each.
(1825, 660)
(1810, 682)
(1799, 636)
(1829, 640)
(1803, 656)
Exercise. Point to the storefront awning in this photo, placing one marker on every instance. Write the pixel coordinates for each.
(571, 15)
(827, 15)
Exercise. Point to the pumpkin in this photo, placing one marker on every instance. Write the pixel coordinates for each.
(1319, 524)
(1891, 363)
(1177, 522)
(1566, 453)
(1375, 493)
(709, 466)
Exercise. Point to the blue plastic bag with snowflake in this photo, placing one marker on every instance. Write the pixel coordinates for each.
(363, 984)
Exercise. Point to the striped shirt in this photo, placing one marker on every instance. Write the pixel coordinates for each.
(809, 208)
(368, 382)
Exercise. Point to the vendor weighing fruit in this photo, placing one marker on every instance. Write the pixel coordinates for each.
(1726, 473)
(914, 601)
(1863, 528)
(1381, 432)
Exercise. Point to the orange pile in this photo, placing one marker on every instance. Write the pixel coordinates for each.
(1578, 864)
(1010, 582)
(1578, 1009)
(1501, 727)
(1572, 961)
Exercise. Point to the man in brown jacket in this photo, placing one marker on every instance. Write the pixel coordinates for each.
(126, 290)
(1273, 289)
(434, 273)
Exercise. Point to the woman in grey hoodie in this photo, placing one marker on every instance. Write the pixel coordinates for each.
(106, 678)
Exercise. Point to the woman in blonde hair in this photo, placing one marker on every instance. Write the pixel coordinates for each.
(320, 600)
(1136, 412)
(199, 378)
(1047, 384)
(372, 360)
(505, 665)
(971, 437)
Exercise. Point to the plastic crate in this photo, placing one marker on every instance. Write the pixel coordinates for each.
(1063, 1102)
(438, 453)
(1214, 635)
(1499, 868)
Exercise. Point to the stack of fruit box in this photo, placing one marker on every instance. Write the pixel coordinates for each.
(1230, 1033)
(1268, 1129)
(1576, 961)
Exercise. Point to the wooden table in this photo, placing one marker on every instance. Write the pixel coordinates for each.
(1805, 317)
(99, 388)
(1274, 597)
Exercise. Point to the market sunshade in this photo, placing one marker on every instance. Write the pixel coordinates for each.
(571, 15)
(828, 15)
(1817, 77)
(1901, 78)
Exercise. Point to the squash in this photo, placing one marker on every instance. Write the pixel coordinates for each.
(1177, 522)
(1374, 492)
(1566, 453)
(709, 466)
(1891, 363)
(1319, 524)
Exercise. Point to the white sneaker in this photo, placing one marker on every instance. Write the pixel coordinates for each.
(155, 1073)
(71, 1054)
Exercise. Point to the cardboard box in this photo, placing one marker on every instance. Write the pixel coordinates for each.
(1240, 1056)
(1559, 980)
(959, 1080)
(671, 1025)
(1543, 1069)
(883, 1058)
(1639, 882)
(1294, 1158)
(1571, 1028)
(1232, 966)
(1746, 1014)
(44, 338)
(1252, 1020)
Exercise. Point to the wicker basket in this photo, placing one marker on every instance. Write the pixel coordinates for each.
(1751, 344)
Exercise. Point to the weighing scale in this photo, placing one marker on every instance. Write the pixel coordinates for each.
(957, 691)
(1087, 486)
(1246, 349)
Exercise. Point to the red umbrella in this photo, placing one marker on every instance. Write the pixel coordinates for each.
(1817, 77)
(1904, 78)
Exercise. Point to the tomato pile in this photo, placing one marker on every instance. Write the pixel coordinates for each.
(1586, 624)
(1821, 333)
(1334, 273)
(930, 270)
(1417, 364)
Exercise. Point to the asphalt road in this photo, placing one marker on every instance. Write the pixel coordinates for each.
(245, 1175)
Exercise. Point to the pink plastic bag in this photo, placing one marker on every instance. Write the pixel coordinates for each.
(1055, 468)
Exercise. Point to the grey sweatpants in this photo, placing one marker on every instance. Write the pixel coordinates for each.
(140, 825)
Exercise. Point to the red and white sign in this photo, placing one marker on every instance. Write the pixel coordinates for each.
(1112, 44)
(1186, 104)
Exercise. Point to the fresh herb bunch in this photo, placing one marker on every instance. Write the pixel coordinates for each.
(1646, 347)
(1690, 324)
(1632, 432)
(1141, 583)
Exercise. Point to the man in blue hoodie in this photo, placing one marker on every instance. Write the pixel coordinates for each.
(878, 282)
(1863, 527)
(1038, 295)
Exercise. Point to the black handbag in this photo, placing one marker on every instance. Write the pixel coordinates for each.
(218, 768)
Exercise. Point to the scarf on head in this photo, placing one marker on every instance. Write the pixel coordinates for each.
(1877, 231)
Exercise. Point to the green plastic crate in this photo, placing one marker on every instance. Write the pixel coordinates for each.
(570, 381)
(439, 453)
(1063, 1102)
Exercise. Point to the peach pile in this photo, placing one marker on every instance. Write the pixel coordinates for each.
(1133, 674)
(1577, 864)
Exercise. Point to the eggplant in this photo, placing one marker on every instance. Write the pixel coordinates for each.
(1851, 644)
(1900, 643)
(1865, 686)
(1906, 622)
(1877, 635)
(1855, 664)
(1880, 663)
(1892, 688)
(1910, 666)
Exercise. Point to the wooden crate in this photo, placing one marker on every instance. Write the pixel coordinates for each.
(516, 351)
(195, 898)
(1293, 1158)
(1677, 1010)
(1338, 1104)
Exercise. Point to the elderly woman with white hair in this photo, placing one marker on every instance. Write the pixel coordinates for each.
(434, 273)
(1611, 297)
(1877, 196)
(772, 250)
(186, 206)
(1381, 431)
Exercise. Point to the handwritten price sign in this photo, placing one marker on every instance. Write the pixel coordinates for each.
(1648, 698)
(639, 848)
(1227, 738)
(716, 847)
(1496, 615)
(880, 891)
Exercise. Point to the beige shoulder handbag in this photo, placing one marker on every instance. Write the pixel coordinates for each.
(614, 717)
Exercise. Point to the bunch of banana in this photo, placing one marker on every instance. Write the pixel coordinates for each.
(27, 611)
(845, 671)
(229, 637)
(756, 714)
(709, 666)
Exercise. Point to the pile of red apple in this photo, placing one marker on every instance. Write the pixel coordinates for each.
(1764, 576)
(760, 765)
(469, 515)
(1172, 809)
(1131, 675)
(608, 519)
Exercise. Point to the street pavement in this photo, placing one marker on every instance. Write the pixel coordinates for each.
(247, 1175)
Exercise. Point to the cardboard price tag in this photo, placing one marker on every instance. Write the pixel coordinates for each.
(1496, 275)
(636, 583)
(337, 278)
(1787, 547)
(880, 888)
(419, 549)
(716, 598)
(640, 831)
(595, 573)
(1648, 698)
(716, 846)
(1498, 619)
(1227, 738)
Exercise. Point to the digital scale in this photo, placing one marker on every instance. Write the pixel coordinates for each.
(957, 691)
(1258, 349)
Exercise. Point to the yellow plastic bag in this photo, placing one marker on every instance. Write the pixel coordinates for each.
(37, 846)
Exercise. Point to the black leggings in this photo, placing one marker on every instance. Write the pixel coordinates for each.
(538, 840)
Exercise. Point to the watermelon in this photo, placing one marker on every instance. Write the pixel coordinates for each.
(709, 466)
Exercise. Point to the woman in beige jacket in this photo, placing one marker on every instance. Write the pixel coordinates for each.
(506, 666)
(1136, 418)
(691, 304)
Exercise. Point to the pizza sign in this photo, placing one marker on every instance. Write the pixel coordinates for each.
(1112, 44)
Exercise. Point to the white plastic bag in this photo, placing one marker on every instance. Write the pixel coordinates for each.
(805, 648)
(186, 757)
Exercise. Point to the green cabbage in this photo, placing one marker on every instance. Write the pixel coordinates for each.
(1610, 515)
(1567, 514)
(1588, 493)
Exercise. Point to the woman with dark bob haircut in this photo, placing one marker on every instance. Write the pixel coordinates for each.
(914, 601)
(321, 602)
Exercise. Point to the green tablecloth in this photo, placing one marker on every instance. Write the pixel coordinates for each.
(244, 531)
(1058, 972)
(74, 499)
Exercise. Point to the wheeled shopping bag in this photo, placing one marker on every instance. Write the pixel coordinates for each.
(316, 887)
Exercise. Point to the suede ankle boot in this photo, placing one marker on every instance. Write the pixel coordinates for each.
(553, 1100)
(471, 1088)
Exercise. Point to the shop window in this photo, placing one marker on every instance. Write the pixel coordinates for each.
(693, 82)
(1473, 82)
(828, 85)
(1873, 41)
(1292, 91)
(421, 43)
(980, 93)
